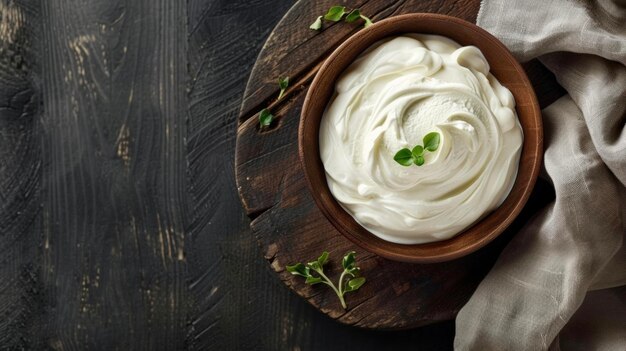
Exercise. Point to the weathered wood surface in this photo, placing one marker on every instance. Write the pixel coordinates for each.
(284, 218)
(120, 225)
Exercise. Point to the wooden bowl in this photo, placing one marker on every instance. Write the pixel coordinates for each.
(503, 66)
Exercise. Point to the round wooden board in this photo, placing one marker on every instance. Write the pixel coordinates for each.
(284, 219)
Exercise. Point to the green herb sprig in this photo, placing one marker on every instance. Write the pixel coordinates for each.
(283, 83)
(265, 116)
(336, 13)
(415, 156)
(349, 279)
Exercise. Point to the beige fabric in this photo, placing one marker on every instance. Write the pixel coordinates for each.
(598, 324)
(575, 244)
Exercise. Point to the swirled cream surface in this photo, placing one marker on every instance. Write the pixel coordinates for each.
(392, 96)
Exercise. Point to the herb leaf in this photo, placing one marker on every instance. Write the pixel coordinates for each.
(323, 259)
(335, 13)
(313, 280)
(283, 83)
(404, 157)
(353, 15)
(265, 118)
(419, 160)
(348, 260)
(317, 25)
(418, 150)
(314, 265)
(299, 269)
(354, 284)
(431, 141)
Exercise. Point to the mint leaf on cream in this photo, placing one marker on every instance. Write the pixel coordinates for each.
(418, 150)
(419, 160)
(404, 157)
(415, 156)
(431, 141)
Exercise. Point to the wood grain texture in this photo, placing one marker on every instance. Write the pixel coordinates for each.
(113, 131)
(20, 179)
(286, 222)
(235, 304)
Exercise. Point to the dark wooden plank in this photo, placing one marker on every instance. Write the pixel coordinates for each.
(235, 302)
(286, 222)
(21, 305)
(114, 75)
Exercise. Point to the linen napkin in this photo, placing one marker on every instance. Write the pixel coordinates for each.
(537, 296)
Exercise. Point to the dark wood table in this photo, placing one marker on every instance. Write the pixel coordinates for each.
(120, 224)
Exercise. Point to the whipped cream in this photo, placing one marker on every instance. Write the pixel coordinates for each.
(394, 94)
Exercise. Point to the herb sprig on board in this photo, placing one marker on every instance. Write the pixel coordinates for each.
(265, 116)
(337, 13)
(313, 272)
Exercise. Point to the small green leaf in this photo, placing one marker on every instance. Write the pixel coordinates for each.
(265, 118)
(313, 280)
(317, 25)
(353, 15)
(335, 13)
(419, 160)
(404, 157)
(418, 150)
(283, 83)
(348, 260)
(323, 259)
(314, 265)
(431, 141)
(299, 269)
(354, 284)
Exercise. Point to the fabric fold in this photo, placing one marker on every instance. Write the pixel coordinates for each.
(576, 243)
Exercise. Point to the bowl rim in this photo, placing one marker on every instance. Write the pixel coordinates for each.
(323, 197)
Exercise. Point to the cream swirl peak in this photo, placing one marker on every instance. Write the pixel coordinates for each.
(391, 97)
